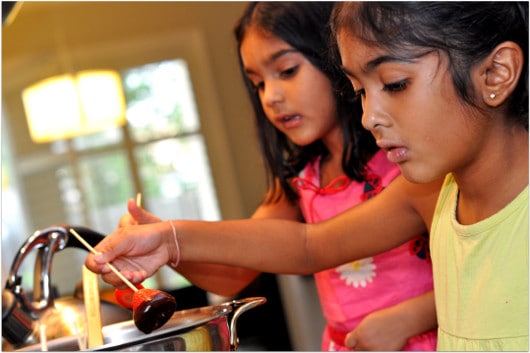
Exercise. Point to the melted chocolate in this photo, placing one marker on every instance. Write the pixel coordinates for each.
(154, 311)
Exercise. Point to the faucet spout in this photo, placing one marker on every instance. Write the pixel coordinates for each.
(47, 241)
(20, 314)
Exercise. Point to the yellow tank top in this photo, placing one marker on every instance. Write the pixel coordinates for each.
(481, 276)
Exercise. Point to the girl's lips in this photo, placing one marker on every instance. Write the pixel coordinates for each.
(396, 154)
(290, 121)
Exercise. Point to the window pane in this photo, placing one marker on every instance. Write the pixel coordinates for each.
(108, 137)
(107, 184)
(100, 139)
(176, 179)
(71, 196)
(160, 101)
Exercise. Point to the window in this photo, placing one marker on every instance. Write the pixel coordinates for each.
(172, 150)
(160, 152)
(164, 157)
(164, 143)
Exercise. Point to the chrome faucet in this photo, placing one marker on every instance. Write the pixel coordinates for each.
(20, 314)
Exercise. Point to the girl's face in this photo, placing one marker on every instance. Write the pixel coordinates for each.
(296, 97)
(412, 109)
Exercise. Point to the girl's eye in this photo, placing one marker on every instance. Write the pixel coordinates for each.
(396, 86)
(289, 72)
(285, 74)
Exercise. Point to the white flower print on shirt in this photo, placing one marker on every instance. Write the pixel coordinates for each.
(358, 273)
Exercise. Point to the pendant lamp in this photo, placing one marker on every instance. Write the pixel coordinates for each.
(71, 105)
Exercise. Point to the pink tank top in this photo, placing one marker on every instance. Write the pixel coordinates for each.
(351, 291)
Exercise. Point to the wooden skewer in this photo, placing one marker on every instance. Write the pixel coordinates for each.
(139, 199)
(43, 338)
(92, 309)
(112, 268)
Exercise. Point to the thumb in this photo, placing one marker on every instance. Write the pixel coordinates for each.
(350, 340)
(140, 215)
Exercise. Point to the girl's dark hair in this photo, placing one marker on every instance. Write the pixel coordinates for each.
(304, 26)
(466, 31)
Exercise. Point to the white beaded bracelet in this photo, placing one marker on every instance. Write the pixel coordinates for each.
(175, 263)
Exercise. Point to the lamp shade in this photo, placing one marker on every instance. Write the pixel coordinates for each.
(67, 106)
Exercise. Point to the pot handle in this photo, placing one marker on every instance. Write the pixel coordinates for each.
(238, 308)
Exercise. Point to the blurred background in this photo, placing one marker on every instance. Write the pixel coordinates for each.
(181, 134)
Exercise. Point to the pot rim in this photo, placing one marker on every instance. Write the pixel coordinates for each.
(125, 333)
(180, 322)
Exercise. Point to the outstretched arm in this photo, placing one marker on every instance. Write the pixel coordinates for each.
(402, 210)
(396, 215)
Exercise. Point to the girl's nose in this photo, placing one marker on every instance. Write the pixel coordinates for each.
(372, 115)
(272, 94)
(368, 120)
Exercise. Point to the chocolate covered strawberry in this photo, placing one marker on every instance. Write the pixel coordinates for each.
(152, 308)
(124, 297)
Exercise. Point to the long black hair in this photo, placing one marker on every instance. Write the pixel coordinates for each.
(466, 31)
(304, 26)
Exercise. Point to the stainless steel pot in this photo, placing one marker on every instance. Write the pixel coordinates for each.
(206, 328)
(209, 328)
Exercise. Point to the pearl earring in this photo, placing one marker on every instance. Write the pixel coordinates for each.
(492, 95)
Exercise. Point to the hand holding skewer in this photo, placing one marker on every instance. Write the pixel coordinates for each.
(152, 308)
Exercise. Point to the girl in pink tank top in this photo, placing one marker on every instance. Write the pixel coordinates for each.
(350, 292)
(308, 121)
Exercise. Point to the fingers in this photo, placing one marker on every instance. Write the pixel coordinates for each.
(95, 266)
(136, 251)
(134, 216)
(127, 268)
(139, 215)
(126, 220)
(135, 277)
(110, 248)
(350, 340)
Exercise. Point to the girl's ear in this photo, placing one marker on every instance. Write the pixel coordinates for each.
(500, 73)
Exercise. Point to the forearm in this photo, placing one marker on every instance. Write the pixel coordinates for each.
(263, 245)
(418, 314)
(275, 246)
(390, 329)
